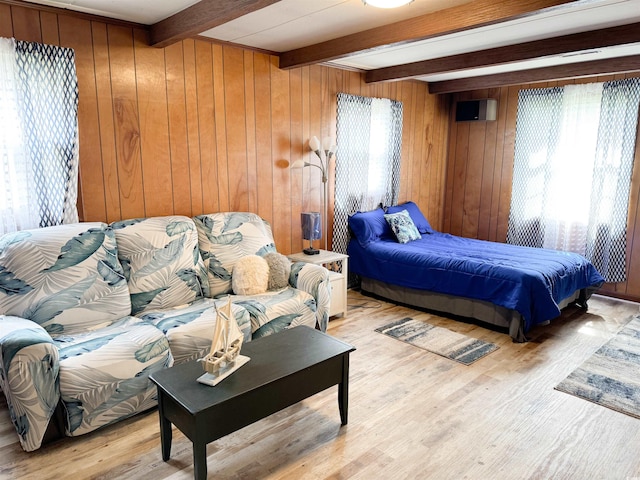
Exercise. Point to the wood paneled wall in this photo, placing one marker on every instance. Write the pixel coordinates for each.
(199, 127)
(479, 174)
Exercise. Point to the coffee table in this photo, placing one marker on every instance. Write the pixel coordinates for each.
(285, 368)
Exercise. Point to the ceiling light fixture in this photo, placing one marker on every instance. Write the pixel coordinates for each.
(386, 3)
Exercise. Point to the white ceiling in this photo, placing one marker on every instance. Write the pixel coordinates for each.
(291, 24)
(140, 11)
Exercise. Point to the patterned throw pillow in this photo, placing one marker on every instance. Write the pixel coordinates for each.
(403, 227)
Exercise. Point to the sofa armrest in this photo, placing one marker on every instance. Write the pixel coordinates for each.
(29, 368)
(314, 279)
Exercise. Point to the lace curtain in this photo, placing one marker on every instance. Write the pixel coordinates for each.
(18, 205)
(38, 135)
(369, 137)
(572, 171)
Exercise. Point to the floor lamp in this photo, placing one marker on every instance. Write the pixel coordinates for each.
(324, 156)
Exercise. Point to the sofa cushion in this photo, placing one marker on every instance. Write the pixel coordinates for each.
(276, 310)
(104, 373)
(279, 270)
(162, 262)
(66, 278)
(250, 275)
(189, 329)
(225, 238)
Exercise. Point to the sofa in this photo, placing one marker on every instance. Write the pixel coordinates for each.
(89, 310)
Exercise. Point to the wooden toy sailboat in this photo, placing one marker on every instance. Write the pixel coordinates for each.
(224, 356)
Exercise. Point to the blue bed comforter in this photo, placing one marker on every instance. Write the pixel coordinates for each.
(531, 281)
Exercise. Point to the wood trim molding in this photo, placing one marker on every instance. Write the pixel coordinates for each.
(72, 13)
(200, 17)
(561, 72)
(594, 39)
(438, 23)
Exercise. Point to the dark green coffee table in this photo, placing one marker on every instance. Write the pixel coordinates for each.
(285, 368)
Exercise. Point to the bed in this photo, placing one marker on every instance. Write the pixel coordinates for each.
(505, 285)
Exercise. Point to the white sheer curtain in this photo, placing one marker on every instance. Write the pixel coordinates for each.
(573, 160)
(18, 203)
(568, 187)
(369, 137)
(38, 135)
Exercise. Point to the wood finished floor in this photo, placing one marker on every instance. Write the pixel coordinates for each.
(412, 415)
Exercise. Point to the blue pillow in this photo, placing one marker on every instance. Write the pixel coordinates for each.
(403, 227)
(416, 215)
(370, 226)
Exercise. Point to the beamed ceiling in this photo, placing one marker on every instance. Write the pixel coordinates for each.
(454, 45)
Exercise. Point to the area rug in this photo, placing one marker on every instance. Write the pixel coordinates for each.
(441, 341)
(610, 377)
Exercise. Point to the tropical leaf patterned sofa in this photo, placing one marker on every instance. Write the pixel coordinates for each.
(89, 310)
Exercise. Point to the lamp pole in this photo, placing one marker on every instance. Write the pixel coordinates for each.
(324, 158)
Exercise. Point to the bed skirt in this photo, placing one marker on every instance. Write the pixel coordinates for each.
(464, 307)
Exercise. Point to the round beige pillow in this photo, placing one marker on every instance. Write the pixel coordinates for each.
(250, 275)
(279, 270)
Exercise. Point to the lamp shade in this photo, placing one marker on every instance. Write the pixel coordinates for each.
(311, 229)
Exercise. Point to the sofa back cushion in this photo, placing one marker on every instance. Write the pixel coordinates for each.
(161, 261)
(227, 237)
(66, 278)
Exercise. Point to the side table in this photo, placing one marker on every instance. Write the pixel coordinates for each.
(338, 266)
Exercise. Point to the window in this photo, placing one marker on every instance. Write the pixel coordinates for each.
(38, 136)
(369, 138)
(572, 171)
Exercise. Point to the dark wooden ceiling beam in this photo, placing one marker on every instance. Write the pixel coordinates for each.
(607, 37)
(455, 19)
(546, 74)
(200, 17)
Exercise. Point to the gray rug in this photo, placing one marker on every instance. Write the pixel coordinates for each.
(611, 376)
(441, 341)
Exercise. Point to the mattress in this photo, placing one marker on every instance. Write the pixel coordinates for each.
(531, 281)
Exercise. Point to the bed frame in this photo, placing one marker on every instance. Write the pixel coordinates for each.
(464, 307)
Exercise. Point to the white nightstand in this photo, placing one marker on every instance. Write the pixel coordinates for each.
(338, 266)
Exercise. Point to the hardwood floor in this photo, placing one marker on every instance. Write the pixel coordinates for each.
(412, 414)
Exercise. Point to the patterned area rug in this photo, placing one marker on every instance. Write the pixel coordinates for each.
(441, 341)
(610, 376)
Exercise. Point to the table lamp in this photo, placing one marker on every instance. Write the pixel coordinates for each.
(311, 230)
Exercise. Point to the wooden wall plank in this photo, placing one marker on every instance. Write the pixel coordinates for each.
(26, 24)
(6, 21)
(250, 115)
(49, 28)
(404, 96)
(207, 127)
(297, 144)
(106, 127)
(472, 193)
(193, 127)
(428, 160)
(311, 176)
(262, 76)
(508, 149)
(75, 33)
(151, 87)
(281, 155)
(503, 104)
(220, 152)
(127, 127)
(419, 145)
(177, 116)
(236, 161)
